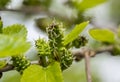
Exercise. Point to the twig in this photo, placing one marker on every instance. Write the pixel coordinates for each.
(80, 53)
(87, 66)
(32, 10)
(8, 67)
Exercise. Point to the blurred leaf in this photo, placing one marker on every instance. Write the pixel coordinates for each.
(11, 76)
(2, 64)
(103, 35)
(3, 3)
(43, 23)
(116, 49)
(75, 32)
(44, 3)
(15, 30)
(118, 32)
(10, 46)
(1, 26)
(114, 13)
(85, 4)
(36, 73)
(31, 2)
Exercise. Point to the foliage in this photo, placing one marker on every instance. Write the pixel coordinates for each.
(55, 49)
(11, 41)
(31, 2)
(15, 30)
(12, 46)
(20, 63)
(108, 37)
(85, 4)
(42, 3)
(3, 3)
(55, 53)
(74, 33)
(103, 35)
(39, 74)
(2, 64)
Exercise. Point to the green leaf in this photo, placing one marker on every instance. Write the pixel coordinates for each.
(16, 30)
(10, 46)
(103, 35)
(36, 73)
(3, 3)
(2, 64)
(75, 32)
(85, 4)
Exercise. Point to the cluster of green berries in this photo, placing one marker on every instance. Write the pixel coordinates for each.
(20, 63)
(79, 42)
(42, 47)
(60, 52)
(55, 35)
(44, 52)
(66, 58)
(54, 48)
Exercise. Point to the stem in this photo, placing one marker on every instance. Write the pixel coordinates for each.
(43, 61)
(7, 68)
(87, 67)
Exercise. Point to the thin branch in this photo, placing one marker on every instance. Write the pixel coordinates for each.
(87, 66)
(80, 53)
(8, 67)
(32, 10)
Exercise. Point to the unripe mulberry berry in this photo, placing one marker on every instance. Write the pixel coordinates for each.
(55, 35)
(66, 58)
(80, 41)
(20, 63)
(42, 47)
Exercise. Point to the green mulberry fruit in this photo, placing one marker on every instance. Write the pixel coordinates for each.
(66, 58)
(42, 47)
(55, 35)
(80, 41)
(44, 52)
(20, 63)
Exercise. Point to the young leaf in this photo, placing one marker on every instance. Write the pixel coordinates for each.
(36, 73)
(10, 46)
(85, 4)
(2, 64)
(75, 32)
(103, 35)
(16, 30)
